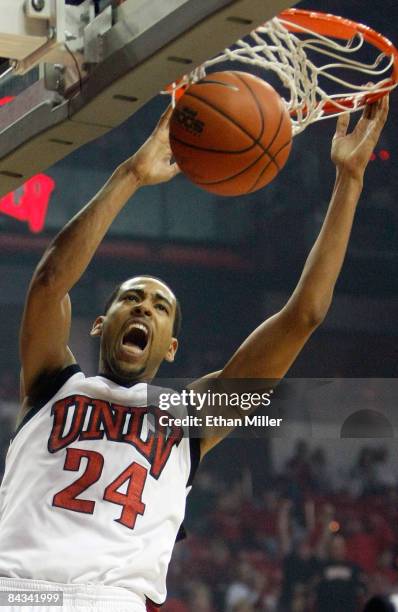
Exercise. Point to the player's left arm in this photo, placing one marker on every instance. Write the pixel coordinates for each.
(271, 349)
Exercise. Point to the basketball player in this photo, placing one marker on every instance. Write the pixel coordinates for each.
(94, 489)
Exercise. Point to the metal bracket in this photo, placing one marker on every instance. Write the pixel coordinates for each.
(54, 77)
(38, 9)
(93, 36)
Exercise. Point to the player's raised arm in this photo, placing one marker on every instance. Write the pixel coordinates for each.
(271, 349)
(46, 320)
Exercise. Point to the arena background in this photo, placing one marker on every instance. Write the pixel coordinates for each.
(262, 512)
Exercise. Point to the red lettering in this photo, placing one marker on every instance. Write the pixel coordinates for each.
(164, 445)
(111, 417)
(59, 438)
(134, 475)
(131, 501)
(110, 420)
(67, 497)
(133, 435)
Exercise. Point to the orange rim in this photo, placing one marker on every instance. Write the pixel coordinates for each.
(178, 93)
(329, 25)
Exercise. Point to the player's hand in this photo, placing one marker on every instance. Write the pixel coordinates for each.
(151, 164)
(351, 152)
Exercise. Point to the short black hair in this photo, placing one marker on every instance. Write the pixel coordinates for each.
(178, 313)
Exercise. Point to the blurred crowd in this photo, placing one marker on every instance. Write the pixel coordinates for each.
(308, 543)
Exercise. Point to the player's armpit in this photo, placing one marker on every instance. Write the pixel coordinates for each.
(44, 336)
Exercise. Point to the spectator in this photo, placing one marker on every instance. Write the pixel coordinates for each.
(243, 589)
(362, 544)
(340, 584)
(321, 479)
(298, 466)
(299, 569)
(385, 577)
(200, 598)
(383, 473)
(363, 473)
(300, 599)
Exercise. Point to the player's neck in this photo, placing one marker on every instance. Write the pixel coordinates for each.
(123, 382)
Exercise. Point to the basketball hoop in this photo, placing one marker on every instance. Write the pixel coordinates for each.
(293, 46)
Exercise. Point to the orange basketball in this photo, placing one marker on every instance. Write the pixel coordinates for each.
(230, 133)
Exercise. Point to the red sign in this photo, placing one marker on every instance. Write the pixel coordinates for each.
(30, 202)
(6, 100)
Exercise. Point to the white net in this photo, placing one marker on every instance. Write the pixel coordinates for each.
(313, 89)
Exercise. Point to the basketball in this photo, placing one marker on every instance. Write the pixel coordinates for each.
(230, 133)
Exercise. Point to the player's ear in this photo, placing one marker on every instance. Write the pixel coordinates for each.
(171, 353)
(96, 329)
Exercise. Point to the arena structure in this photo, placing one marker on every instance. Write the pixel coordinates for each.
(82, 68)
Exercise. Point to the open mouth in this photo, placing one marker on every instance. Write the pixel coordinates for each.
(136, 337)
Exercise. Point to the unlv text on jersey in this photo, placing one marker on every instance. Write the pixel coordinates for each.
(79, 417)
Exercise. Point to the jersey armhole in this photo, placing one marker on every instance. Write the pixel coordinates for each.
(50, 387)
(194, 447)
(194, 451)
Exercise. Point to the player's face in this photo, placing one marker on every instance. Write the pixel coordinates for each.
(136, 333)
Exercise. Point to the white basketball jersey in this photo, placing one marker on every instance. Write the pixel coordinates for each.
(94, 488)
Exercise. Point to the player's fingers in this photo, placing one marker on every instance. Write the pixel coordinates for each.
(367, 111)
(380, 117)
(368, 117)
(368, 108)
(375, 109)
(342, 124)
(372, 127)
(380, 111)
(165, 117)
(174, 170)
(384, 107)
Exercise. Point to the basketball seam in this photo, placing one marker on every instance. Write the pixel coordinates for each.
(207, 150)
(229, 178)
(259, 107)
(267, 166)
(255, 141)
(256, 103)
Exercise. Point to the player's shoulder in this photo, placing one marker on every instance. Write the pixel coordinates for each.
(47, 386)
